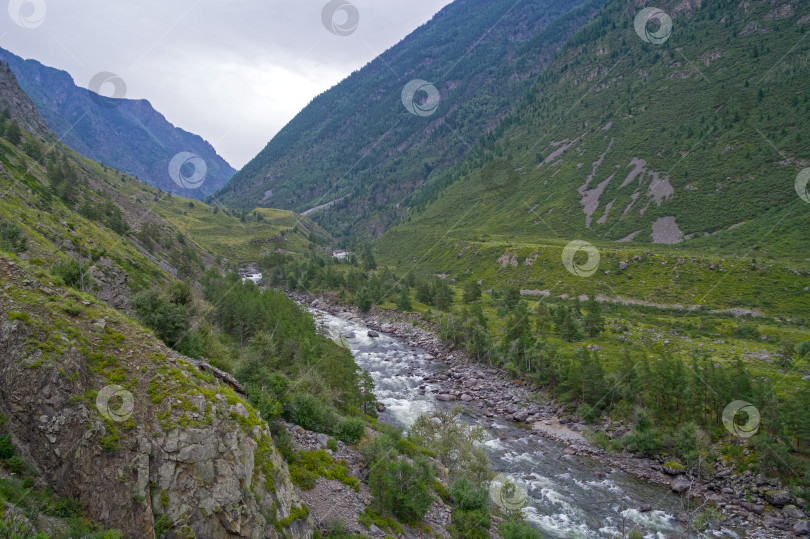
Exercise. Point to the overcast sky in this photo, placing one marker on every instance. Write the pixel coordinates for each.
(231, 71)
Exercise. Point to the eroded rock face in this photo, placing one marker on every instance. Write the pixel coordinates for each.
(110, 284)
(189, 448)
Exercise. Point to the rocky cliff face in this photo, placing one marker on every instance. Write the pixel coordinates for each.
(143, 439)
(19, 105)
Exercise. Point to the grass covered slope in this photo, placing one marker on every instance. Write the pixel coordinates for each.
(73, 208)
(694, 143)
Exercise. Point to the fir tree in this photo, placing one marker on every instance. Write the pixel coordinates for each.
(594, 323)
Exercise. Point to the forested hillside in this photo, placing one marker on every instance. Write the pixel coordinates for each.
(358, 146)
(626, 140)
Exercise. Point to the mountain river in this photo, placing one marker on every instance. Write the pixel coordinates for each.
(568, 496)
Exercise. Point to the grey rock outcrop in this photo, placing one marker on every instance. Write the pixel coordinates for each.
(133, 432)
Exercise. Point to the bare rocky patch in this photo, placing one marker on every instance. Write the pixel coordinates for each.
(665, 230)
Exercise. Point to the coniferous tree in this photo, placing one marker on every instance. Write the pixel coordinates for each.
(368, 258)
(425, 293)
(594, 323)
(472, 291)
(404, 298)
(568, 327)
(543, 319)
(364, 300)
(13, 133)
(786, 353)
(444, 295)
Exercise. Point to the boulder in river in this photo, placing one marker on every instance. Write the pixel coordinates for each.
(349, 335)
(445, 398)
(521, 416)
(373, 334)
(380, 407)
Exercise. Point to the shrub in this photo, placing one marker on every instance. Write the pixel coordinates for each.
(267, 405)
(443, 492)
(302, 477)
(16, 529)
(470, 524)
(6, 447)
(646, 441)
(364, 300)
(13, 133)
(12, 238)
(350, 430)
(369, 517)
(603, 441)
(337, 530)
(643, 438)
(467, 496)
(588, 413)
(169, 319)
(470, 517)
(401, 488)
(18, 466)
(456, 444)
(747, 331)
(332, 445)
(378, 448)
(73, 274)
(283, 441)
(310, 412)
(66, 507)
(163, 525)
(513, 529)
(72, 308)
(691, 442)
(25, 317)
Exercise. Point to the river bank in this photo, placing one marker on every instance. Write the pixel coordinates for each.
(757, 505)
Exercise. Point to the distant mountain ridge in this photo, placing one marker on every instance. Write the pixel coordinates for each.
(129, 135)
(358, 145)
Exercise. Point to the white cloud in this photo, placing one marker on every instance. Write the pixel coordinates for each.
(233, 72)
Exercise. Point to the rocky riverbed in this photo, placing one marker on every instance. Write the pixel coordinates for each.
(755, 506)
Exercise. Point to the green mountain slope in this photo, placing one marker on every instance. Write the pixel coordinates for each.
(91, 397)
(70, 205)
(129, 135)
(358, 145)
(696, 142)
